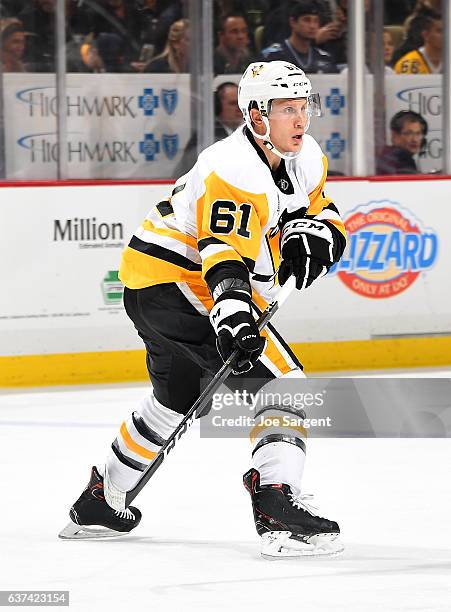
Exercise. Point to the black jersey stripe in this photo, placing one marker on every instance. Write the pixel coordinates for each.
(205, 242)
(286, 346)
(261, 278)
(131, 463)
(178, 189)
(250, 263)
(145, 431)
(165, 208)
(155, 250)
(332, 206)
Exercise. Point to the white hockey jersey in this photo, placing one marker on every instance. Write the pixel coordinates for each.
(227, 208)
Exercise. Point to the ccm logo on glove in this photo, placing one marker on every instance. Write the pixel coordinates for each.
(307, 248)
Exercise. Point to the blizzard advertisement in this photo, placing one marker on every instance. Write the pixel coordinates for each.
(421, 94)
(127, 126)
(388, 248)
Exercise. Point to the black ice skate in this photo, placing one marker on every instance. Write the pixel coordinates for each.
(288, 525)
(92, 517)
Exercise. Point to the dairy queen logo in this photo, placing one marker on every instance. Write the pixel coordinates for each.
(387, 250)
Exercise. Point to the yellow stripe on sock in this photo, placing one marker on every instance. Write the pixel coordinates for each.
(133, 446)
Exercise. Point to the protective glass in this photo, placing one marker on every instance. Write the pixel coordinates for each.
(314, 105)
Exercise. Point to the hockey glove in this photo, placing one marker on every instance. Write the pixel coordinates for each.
(235, 327)
(307, 248)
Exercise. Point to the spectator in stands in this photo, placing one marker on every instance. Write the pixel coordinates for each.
(389, 47)
(156, 17)
(88, 58)
(11, 8)
(433, 5)
(413, 26)
(276, 23)
(175, 57)
(104, 54)
(395, 13)
(13, 41)
(119, 17)
(254, 12)
(81, 19)
(232, 55)
(337, 42)
(331, 36)
(427, 58)
(304, 22)
(408, 136)
(111, 51)
(38, 18)
(227, 118)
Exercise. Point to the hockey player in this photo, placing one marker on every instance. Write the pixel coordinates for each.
(203, 264)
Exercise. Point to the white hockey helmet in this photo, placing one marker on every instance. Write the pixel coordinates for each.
(263, 82)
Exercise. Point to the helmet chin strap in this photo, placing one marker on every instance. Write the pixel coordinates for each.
(267, 140)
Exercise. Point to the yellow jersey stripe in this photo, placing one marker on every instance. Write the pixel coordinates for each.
(170, 233)
(274, 355)
(139, 270)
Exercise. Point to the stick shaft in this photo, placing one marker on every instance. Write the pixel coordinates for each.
(205, 397)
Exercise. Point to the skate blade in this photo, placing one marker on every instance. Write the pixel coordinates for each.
(280, 545)
(72, 531)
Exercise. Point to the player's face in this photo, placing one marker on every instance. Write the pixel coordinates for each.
(305, 26)
(288, 121)
(235, 35)
(410, 137)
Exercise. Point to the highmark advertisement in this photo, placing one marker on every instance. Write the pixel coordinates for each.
(137, 126)
(119, 126)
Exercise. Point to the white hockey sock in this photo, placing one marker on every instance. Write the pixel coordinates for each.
(139, 440)
(279, 445)
(280, 463)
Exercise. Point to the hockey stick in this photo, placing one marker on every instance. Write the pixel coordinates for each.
(203, 400)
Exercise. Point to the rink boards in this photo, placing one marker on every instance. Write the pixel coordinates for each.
(387, 304)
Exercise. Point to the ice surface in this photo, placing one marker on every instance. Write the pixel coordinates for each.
(196, 547)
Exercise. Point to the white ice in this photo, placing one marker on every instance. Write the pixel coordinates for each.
(196, 547)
